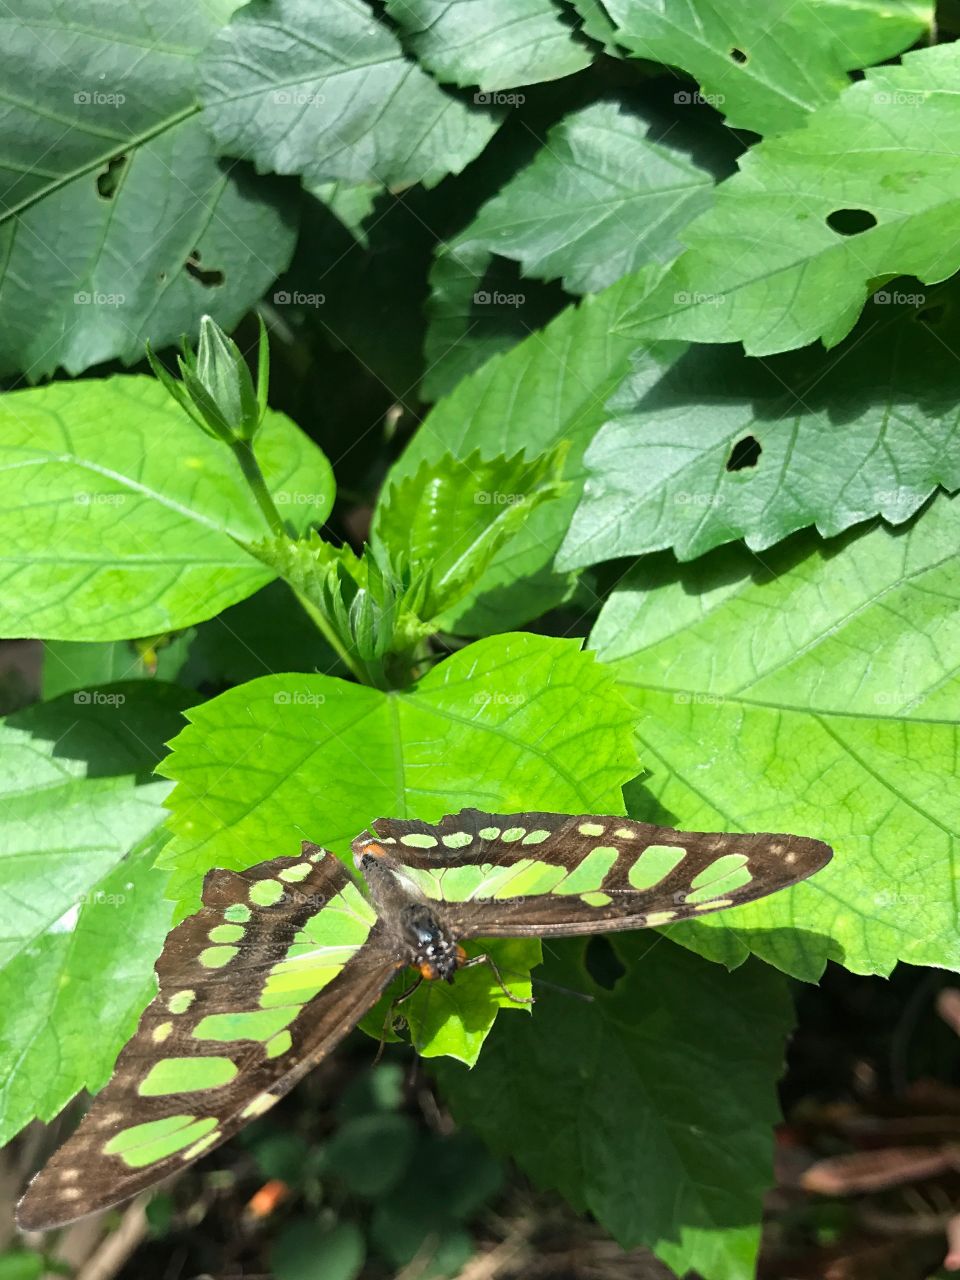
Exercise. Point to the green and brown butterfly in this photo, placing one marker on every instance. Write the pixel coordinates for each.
(284, 959)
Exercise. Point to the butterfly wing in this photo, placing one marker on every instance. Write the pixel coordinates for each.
(549, 874)
(254, 990)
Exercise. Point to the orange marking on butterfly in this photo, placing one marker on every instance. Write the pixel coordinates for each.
(428, 971)
(374, 850)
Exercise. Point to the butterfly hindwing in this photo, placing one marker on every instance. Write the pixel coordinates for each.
(258, 986)
(545, 874)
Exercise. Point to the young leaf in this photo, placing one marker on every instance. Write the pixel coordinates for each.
(567, 1093)
(327, 93)
(745, 57)
(844, 222)
(463, 735)
(130, 228)
(834, 444)
(556, 383)
(452, 517)
(794, 686)
(148, 521)
(495, 45)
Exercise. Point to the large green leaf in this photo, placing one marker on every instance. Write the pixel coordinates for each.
(614, 1101)
(326, 91)
(815, 692)
(598, 200)
(496, 45)
(506, 724)
(102, 139)
(766, 66)
(553, 387)
(119, 518)
(72, 998)
(84, 914)
(77, 797)
(837, 443)
(817, 218)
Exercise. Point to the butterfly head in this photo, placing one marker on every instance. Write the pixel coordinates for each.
(435, 954)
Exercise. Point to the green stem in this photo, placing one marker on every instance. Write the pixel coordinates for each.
(243, 451)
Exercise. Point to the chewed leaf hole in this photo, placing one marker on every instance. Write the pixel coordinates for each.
(602, 963)
(850, 222)
(108, 179)
(208, 276)
(738, 56)
(745, 453)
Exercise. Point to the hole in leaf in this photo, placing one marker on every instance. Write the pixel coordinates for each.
(851, 222)
(602, 963)
(745, 453)
(738, 56)
(108, 179)
(933, 314)
(208, 276)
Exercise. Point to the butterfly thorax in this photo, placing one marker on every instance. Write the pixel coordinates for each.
(421, 937)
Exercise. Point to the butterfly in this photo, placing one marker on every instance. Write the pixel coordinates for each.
(284, 959)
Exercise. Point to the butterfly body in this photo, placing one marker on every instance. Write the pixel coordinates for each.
(285, 958)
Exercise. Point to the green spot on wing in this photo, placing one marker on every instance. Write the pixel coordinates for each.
(512, 834)
(253, 1024)
(280, 1043)
(596, 899)
(458, 840)
(591, 828)
(226, 933)
(727, 873)
(144, 1144)
(265, 893)
(299, 871)
(181, 1001)
(239, 913)
(186, 1075)
(217, 957)
(419, 840)
(489, 833)
(536, 837)
(537, 877)
(591, 872)
(655, 864)
(327, 941)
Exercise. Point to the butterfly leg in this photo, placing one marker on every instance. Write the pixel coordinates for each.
(388, 1020)
(489, 960)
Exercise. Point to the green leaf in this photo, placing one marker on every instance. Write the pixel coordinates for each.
(81, 664)
(813, 692)
(110, 534)
(496, 45)
(767, 267)
(837, 443)
(72, 997)
(506, 724)
(746, 57)
(370, 1154)
(586, 1077)
(555, 383)
(304, 1253)
(452, 517)
(598, 201)
(103, 139)
(85, 914)
(327, 92)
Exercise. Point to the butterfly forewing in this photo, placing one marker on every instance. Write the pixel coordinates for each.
(256, 988)
(554, 874)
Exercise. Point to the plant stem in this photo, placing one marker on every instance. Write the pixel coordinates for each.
(243, 451)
